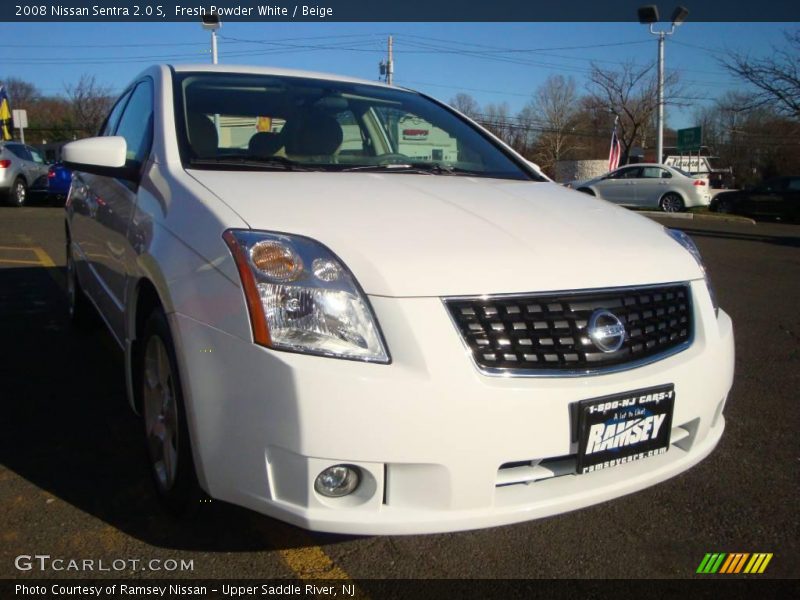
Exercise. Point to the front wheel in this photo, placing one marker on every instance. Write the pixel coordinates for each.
(166, 430)
(725, 206)
(672, 203)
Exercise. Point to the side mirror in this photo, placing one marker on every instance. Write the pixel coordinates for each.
(105, 156)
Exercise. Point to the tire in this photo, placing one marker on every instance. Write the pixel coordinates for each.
(81, 312)
(166, 432)
(586, 191)
(18, 194)
(725, 206)
(672, 202)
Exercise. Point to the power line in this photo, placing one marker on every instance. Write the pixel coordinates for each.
(499, 48)
(166, 44)
(704, 48)
(468, 89)
(558, 65)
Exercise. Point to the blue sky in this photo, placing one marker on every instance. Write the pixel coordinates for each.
(438, 58)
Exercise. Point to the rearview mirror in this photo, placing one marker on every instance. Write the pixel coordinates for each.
(104, 156)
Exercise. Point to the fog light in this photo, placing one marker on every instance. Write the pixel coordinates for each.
(337, 481)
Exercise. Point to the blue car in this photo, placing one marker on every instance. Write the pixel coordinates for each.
(59, 179)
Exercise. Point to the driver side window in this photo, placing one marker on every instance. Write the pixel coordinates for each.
(37, 158)
(113, 117)
(628, 173)
(136, 124)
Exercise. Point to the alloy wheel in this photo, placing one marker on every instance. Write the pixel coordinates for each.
(160, 413)
(671, 203)
(20, 192)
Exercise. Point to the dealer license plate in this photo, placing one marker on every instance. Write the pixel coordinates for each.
(624, 427)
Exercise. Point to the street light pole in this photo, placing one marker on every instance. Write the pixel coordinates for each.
(660, 138)
(212, 23)
(648, 15)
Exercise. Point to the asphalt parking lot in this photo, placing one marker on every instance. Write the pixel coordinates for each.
(74, 482)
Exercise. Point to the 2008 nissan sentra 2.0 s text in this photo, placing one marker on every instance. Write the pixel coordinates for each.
(346, 306)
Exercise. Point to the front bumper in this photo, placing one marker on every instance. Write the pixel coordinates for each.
(429, 432)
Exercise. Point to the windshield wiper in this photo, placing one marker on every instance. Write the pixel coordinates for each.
(415, 167)
(249, 160)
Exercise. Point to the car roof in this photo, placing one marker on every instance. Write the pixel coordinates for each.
(254, 70)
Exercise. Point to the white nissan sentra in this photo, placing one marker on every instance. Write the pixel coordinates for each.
(347, 306)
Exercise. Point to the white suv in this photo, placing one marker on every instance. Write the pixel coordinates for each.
(21, 168)
(347, 306)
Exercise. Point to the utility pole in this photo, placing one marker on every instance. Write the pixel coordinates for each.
(212, 23)
(390, 64)
(386, 67)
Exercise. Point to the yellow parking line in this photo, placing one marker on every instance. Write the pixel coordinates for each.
(19, 262)
(44, 257)
(312, 563)
(306, 559)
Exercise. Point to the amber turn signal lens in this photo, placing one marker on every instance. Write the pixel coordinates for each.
(277, 261)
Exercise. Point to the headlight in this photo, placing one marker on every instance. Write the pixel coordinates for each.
(687, 242)
(302, 298)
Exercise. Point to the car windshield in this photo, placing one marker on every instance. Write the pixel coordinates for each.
(682, 172)
(245, 121)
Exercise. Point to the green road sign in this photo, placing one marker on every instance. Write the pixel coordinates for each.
(689, 139)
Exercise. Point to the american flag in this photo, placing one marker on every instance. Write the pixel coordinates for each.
(615, 151)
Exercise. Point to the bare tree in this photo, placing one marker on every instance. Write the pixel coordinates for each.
(465, 104)
(21, 93)
(776, 78)
(90, 103)
(554, 108)
(496, 118)
(631, 95)
(756, 142)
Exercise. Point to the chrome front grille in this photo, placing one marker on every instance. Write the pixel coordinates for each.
(547, 334)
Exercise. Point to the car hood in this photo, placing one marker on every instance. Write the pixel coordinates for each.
(434, 235)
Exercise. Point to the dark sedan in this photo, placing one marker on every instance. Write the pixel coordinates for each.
(777, 198)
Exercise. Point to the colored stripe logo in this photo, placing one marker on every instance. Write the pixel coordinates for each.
(735, 562)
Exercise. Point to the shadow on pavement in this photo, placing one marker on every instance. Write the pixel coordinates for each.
(67, 427)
